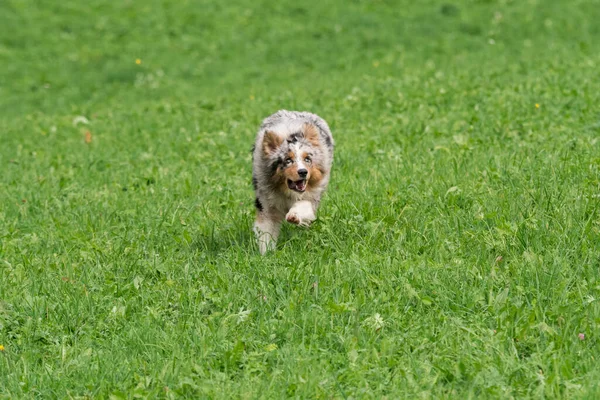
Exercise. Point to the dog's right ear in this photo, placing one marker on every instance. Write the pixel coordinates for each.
(271, 142)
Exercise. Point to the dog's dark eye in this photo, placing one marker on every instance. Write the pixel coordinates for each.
(288, 161)
(307, 159)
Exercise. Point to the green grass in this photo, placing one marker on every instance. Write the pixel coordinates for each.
(456, 254)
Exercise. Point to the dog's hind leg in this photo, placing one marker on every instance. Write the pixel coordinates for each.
(267, 232)
(302, 213)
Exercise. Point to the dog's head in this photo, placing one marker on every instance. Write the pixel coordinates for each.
(295, 160)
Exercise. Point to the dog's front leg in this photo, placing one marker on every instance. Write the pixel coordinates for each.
(267, 231)
(302, 213)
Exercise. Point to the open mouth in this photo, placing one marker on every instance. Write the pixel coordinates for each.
(298, 186)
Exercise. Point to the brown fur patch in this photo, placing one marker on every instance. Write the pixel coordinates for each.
(291, 155)
(315, 176)
(311, 134)
(271, 142)
(279, 179)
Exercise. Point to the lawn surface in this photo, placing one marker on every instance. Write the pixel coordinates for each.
(457, 251)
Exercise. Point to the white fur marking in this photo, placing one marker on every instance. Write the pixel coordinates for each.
(296, 149)
(267, 232)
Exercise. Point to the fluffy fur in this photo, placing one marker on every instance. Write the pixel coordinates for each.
(291, 166)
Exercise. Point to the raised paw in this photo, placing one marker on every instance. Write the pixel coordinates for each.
(294, 218)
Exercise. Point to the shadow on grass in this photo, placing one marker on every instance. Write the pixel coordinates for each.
(215, 239)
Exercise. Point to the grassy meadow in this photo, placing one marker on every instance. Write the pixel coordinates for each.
(457, 251)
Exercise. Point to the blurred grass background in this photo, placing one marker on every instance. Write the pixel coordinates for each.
(72, 54)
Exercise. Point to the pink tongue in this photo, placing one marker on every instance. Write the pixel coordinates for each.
(300, 185)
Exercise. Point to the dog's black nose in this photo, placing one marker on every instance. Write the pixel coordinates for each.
(302, 173)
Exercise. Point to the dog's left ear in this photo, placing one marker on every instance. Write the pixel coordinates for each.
(311, 134)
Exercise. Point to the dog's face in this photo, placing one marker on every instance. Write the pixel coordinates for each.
(294, 161)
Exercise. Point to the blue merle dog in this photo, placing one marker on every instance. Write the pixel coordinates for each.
(292, 160)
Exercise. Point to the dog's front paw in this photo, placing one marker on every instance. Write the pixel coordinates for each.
(294, 218)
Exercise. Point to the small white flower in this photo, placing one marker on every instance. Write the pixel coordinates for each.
(242, 315)
(80, 119)
(375, 322)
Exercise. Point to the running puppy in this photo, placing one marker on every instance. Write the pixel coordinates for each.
(291, 165)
